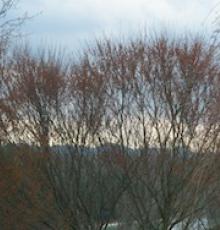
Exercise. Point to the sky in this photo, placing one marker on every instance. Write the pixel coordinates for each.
(71, 23)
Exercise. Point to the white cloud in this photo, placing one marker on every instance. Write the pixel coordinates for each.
(82, 18)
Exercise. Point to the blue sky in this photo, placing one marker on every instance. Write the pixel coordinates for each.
(71, 22)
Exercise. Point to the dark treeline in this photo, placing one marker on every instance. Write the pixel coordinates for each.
(126, 133)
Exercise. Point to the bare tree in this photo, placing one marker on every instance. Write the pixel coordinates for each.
(9, 27)
(160, 94)
(37, 88)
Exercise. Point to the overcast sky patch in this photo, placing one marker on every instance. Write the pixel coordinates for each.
(68, 22)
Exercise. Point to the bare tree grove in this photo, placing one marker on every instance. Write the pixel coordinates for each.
(126, 133)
